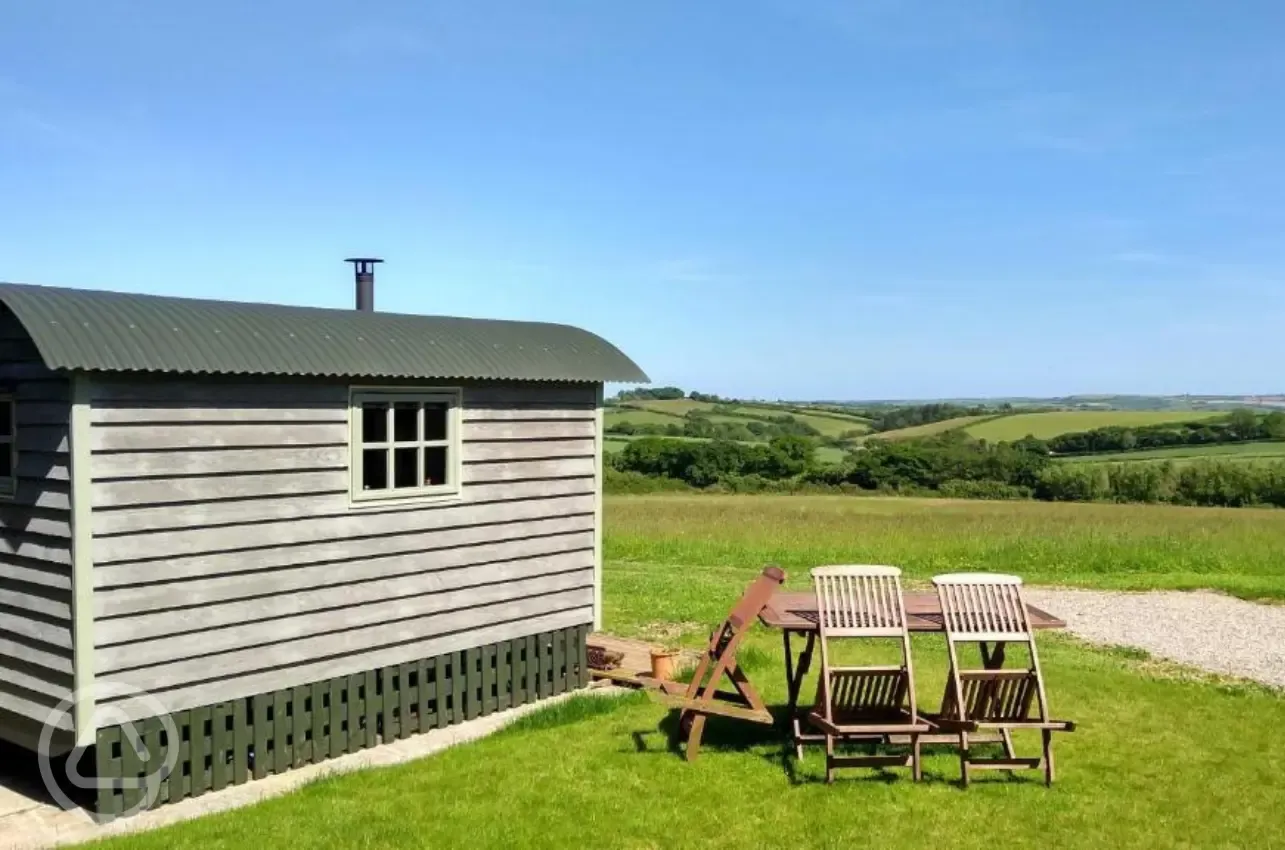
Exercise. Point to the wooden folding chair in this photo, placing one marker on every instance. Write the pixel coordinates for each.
(989, 610)
(865, 702)
(702, 698)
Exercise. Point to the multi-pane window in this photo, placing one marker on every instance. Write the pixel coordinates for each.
(8, 446)
(404, 443)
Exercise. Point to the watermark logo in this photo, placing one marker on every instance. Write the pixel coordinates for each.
(114, 703)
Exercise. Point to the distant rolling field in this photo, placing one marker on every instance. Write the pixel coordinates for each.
(616, 415)
(612, 444)
(930, 429)
(1246, 452)
(827, 424)
(1047, 425)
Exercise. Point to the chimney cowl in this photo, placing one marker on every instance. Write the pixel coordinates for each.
(364, 281)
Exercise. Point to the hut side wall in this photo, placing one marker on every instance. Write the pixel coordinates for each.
(228, 561)
(36, 652)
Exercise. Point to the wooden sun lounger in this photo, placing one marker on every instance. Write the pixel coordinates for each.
(702, 697)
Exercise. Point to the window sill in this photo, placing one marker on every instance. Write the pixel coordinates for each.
(409, 502)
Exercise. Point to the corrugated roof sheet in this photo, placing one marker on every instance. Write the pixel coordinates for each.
(80, 329)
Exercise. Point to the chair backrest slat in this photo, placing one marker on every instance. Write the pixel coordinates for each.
(983, 607)
(756, 597)
(859, 601)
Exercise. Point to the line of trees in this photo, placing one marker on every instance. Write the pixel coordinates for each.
(1240, 426)
(697, 423)
(952, 466)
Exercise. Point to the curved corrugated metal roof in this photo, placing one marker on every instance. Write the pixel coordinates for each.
(81, 329)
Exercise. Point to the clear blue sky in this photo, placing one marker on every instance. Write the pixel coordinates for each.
(799, 198)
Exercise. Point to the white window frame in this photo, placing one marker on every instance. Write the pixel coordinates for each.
(9, 443)
(451, 490)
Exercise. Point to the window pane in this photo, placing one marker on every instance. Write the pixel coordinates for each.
(406, 421)
(6, 460)
(435, 466)
(406, 467)
(374, 469)
(6, 418)
(374, 422)
(435, 421)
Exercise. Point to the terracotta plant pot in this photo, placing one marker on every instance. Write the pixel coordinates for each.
(663, 663)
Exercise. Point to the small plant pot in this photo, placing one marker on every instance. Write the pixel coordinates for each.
(664, 662)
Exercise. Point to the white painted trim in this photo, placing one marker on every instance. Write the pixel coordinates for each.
(597, 511)
(82, 561)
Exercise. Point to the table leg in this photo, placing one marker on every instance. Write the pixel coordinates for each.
(794, 674)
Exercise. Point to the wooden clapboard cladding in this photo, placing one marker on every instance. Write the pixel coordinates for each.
(229, 560)
(240, 739)
(35, 544)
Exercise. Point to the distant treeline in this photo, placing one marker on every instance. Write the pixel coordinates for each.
(1240, 426)
(950, 466)
(696, 423)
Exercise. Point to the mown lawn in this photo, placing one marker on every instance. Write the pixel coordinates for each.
(1161, 759)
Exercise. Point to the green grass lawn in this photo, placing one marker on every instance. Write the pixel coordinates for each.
(1099, 545)
(1047, 425)
(1161, 759)
(1247, 452)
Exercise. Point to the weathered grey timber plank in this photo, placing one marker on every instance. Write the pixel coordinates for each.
(161, 413)
(473, 452)
(168, 593)
(36, 547)
(32, 413)
(52, 388)
(44, 438)
(527, 413)
(569, 429)
(108, 438)
(285, 532)
(54, 635)
(480, 473)
(217, 391)
(203, 514)
(21, 519)
(151, 491)
(431, 541)
(59, 662)
(248, 659)
(38, 710)
(55, 604)
(335, 604)
(217, 461)
(51, 466)
(235, 687)
(55, 577)
(42, 493)
(271, 641)
(506, 395)
(36, 681)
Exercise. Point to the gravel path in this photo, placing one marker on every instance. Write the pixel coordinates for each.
(1216, 633)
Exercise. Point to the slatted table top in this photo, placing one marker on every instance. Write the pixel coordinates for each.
(796, 610)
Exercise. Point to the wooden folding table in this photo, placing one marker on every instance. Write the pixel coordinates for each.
(794, 612)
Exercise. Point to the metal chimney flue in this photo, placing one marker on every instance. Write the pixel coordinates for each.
(364, 280)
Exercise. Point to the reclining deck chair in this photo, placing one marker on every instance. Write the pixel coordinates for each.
(702, 697)
(988, 609)
(857, 703)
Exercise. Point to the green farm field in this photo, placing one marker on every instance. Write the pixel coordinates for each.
(1047, 425)
(932, 428)
(616, 415)
(1162, 758)
(1239, 452)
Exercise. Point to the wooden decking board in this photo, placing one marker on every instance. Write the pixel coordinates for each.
(636, 663)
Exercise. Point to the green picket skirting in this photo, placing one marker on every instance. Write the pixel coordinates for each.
(234, 742)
